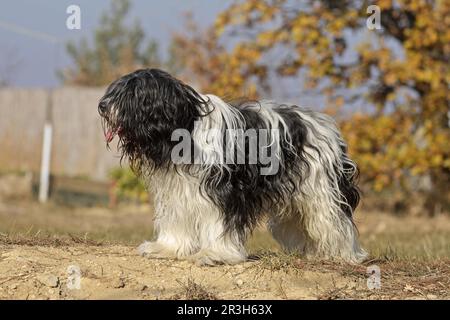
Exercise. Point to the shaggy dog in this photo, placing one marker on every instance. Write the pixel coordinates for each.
(216, 169)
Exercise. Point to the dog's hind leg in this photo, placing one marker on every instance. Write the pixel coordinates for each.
(315, 232)
(330, 232)
(289, 233)
(327, 194)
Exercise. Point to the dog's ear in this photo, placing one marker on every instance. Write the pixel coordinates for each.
(173, 101)
(154, 97)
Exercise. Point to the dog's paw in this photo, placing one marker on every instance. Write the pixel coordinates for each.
(211, 258)
(201, 260)
(144, 248)
(154, 250)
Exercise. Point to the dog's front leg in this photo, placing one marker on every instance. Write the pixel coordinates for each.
(218, 246)
(175, 234)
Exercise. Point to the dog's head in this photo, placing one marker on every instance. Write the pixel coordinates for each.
(143, 108)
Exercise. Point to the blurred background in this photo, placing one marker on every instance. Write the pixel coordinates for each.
(385, 79)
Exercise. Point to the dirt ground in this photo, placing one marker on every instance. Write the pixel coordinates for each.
(42, 245)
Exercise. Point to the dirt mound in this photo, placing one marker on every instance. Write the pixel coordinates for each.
(117, 272)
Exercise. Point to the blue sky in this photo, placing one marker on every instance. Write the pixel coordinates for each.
(39, 58)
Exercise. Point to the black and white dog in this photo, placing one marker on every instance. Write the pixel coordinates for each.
(216, 169)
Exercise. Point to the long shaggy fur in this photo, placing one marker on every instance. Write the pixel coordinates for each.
(206, 209)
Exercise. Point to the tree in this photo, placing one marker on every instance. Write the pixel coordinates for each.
(397, 77)
(116, 50)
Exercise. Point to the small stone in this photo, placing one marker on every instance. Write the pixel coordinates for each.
(48, 280)
(239, 282)
(408, 288)
(118, 283)
(431, 296)
(13, 286)
(144, 287)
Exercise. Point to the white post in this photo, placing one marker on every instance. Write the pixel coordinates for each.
(45, 163)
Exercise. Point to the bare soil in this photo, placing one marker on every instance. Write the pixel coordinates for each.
(117, 272)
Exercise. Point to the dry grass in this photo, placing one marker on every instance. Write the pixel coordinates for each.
(400, 277)
(22, 219)
(46, 240)
(192, 290)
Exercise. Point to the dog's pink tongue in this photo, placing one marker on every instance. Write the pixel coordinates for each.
(109, 136)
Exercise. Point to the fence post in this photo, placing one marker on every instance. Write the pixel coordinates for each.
(44, 183)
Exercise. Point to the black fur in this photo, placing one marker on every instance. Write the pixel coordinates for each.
(243, 194)
(349, 188)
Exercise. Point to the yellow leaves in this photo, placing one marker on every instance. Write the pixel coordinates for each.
(365, 144)
(390, 79)
(436, 160)
(313, 36)
(422, 21)
(235, 14)
(288, 70)
(305, 21)
(269, 38)
(420, 6)
(296, 33)
(221, 22)
(247, 12)
(336, 25)
(247, 53)
(282, 35)
(387, 147)
(267, 11)
(417, 170)
(391, 96)
(304, 32)
(384, 4)
(319, 67)
(446, 163)
(428, 75)
(381, 181)
(266, 38)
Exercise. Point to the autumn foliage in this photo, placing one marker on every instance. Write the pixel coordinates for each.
(388, 87)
